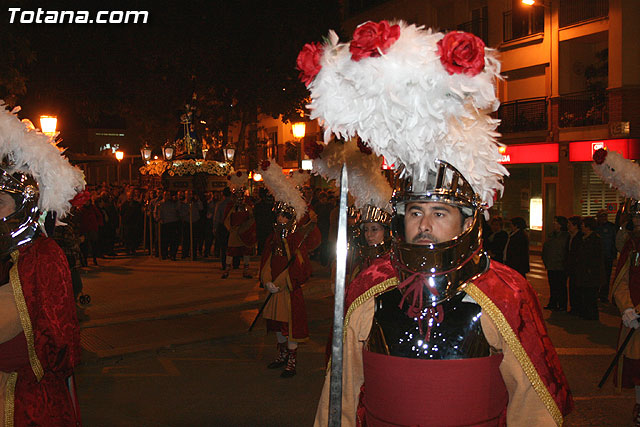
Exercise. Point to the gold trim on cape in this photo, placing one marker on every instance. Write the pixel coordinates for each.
(9, 399)
(25, 320)
(516, 347)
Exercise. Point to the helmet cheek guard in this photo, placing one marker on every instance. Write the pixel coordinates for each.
(21, 226)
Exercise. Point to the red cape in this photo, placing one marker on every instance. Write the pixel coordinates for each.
(43, 281)
(516, 300)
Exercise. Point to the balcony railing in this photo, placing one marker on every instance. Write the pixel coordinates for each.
(523, 115)
(574, 11)
(479, 27)
(583, 109)
(521, 24)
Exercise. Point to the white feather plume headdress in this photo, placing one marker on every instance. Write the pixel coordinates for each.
(618, 172)
(409, 100)
(283, 188)
(30, 152)
(366, 182)
(238, 180)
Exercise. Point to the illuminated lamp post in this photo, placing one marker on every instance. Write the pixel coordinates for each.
(229, 153)
(168, 151)
(119, 157)
(48, 125)
(145, 152)
(299, 129)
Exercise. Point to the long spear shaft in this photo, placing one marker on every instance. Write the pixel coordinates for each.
(335, 385)
(615, 359)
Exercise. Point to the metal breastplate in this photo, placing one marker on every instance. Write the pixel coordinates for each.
(454, 332)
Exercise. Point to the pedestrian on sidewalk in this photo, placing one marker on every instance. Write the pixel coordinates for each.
(168, 216)
(574, 226)
(590, 271)
(554, 256)
(241, 225)
(39, 333)
(516, 251)
(285, 267)
(607, 232)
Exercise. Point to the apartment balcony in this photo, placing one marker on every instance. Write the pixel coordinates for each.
(583, 109)
(523, 115)
(521, 23)
(574, 11)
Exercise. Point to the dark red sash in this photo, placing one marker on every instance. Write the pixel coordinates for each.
(400, 391)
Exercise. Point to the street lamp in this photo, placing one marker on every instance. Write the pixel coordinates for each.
(229, 152)
(168, 151)
(298, 130)
(145, 151)
(119, 157)
(205, 150)
(48, 125)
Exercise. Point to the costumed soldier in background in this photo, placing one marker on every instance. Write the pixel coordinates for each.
(241, 224)
(39, 333)
(436, 316)
(285, 267)
(624, 175)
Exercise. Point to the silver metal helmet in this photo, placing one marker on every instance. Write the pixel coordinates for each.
(446, 267)
(21, 226)
(289, 212)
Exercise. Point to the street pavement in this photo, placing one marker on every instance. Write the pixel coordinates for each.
(166, 343)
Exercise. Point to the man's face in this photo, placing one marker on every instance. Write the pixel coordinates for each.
(373, 233)
(432, 222)
(7, 205)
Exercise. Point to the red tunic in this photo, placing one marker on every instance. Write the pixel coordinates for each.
(515, 299)
(42, 358)
(242, 231)
(299, 272)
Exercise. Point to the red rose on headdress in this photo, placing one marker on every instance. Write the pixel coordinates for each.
(599, 156)
(461, 53)
(373, 39)
(364, 147)
(265, 165)
(239, 174)
(312, 149)
(81, 199)
(308, 62)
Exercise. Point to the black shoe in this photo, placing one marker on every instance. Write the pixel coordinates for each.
(277, 364)
(288, 374)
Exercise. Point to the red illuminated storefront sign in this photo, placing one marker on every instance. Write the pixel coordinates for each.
(582, 151)
(529, 153)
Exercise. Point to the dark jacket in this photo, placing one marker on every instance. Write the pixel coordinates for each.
(495, 244)
(555, 251)
(590, 273)
(518, 252)
(574, 251)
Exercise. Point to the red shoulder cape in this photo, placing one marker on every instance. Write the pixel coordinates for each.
(53, 335)
(515, 298)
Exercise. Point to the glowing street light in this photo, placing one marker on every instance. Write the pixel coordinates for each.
(48, 125)
(529, 2)
(119, 155)
(145, 151)
(298, 130)
(168, 151)
(257, 177)
(229, 152)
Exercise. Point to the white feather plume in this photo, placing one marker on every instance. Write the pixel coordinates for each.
(299, 177)
(620, 173)
(409, 109)
(238, 182)
(283, 188)
(32, 153)
(366, 182)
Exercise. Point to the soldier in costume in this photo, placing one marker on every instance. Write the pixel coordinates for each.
(285, 267)
(39, 333)
(241, 224)
(624, 175)
(435, 316)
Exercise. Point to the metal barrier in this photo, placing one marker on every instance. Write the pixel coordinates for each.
(523, 115)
